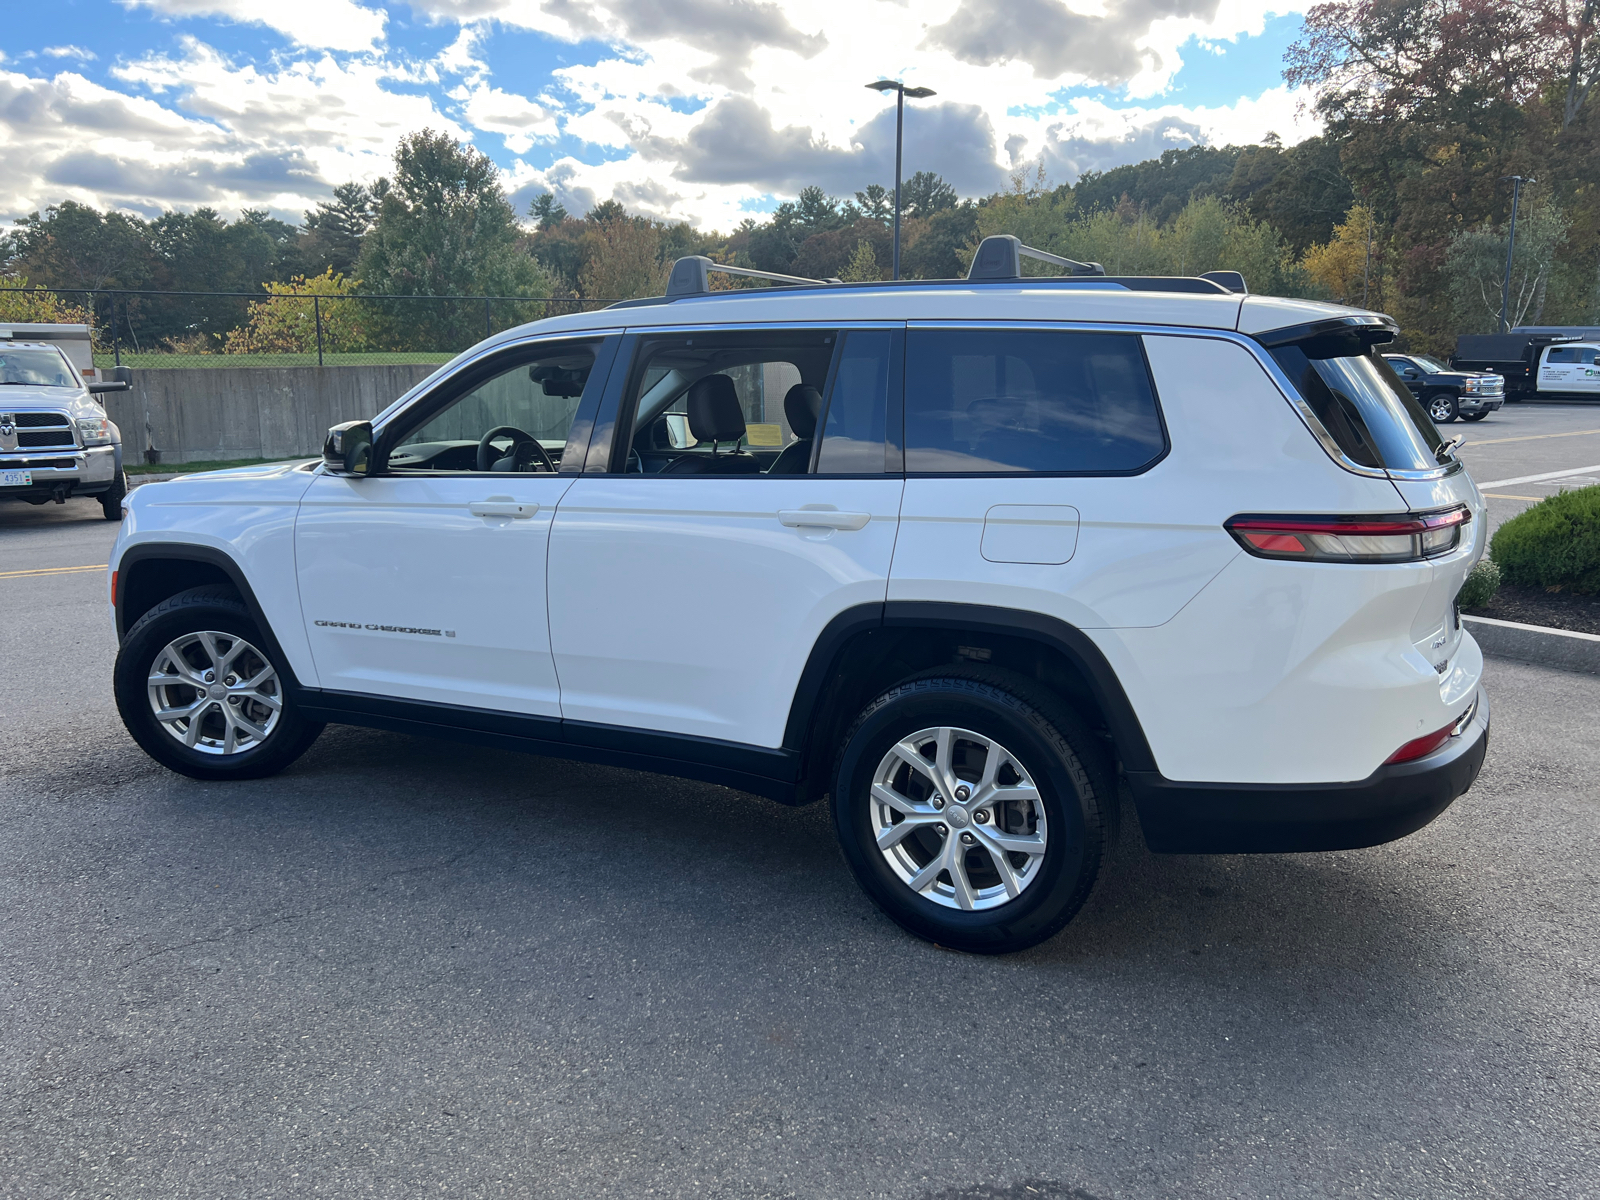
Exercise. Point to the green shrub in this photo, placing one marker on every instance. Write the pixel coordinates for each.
(1483, 581)
(1554, 544)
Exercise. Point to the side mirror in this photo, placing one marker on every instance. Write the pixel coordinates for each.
(348, 450)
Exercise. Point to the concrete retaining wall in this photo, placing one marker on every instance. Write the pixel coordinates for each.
(215, 413)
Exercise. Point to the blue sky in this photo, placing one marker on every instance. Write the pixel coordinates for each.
(703, 110)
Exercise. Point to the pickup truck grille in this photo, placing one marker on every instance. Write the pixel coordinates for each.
(42, 430)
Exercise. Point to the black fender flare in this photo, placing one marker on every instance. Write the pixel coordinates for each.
(1133, 748)
(211, 556)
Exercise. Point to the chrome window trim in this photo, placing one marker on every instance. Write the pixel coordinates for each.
(1260, 353)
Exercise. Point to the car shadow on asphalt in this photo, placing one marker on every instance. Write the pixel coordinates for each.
(689, 853)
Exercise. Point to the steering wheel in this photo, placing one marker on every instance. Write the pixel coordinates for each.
(519, 439)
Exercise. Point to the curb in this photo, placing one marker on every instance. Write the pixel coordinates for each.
(1558, 648)
(146, 477)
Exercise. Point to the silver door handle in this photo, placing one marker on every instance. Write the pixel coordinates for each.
(502, 507)
(822, 518)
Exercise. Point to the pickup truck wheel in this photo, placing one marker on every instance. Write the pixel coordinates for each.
(1477, 416)
(201, 693)
(1441, 407)
(111, 499)
(973, 812)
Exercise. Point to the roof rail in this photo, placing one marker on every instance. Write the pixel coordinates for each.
(1000, 257)
(688, 276)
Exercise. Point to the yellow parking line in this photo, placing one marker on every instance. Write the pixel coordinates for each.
(1503, 496)
(52, 571)
(1532, 437)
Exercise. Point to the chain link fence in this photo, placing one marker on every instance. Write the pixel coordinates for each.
(282, 328)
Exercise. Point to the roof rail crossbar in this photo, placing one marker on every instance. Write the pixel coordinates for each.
(1000, 257)
(1231, 280)
(688, 276)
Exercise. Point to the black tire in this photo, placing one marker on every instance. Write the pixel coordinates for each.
(1477, 416)
(1441, 407)
(212, 609)
(1070, 772)
(111, 499)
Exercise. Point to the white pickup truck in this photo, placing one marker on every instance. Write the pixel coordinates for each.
(1536, 364)
(56, 441)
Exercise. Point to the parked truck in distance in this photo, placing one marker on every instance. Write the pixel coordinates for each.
(1536, 362)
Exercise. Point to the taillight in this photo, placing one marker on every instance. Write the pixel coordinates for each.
(1423, 746)
(1408, 537)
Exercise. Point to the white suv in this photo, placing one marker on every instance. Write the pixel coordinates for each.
(963, 555)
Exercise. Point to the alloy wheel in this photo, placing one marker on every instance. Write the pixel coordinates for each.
(215, 693)
(1441, 409)
(958, 818)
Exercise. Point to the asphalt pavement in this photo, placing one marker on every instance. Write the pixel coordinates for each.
(408, 968)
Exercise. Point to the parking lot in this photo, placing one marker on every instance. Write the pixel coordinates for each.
(406, 967)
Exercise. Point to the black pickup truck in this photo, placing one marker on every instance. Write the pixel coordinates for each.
(1448, 394)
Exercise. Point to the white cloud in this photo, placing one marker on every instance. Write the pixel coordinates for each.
(77, 52)
(772, 88)
(519, 120)
(322, 24)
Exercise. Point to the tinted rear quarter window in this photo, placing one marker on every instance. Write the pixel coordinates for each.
(1362, 403)
(1004, 401)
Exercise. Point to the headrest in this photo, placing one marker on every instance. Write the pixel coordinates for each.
(714, 412)
(803, 406)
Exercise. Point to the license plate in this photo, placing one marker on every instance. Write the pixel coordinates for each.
(16, 478)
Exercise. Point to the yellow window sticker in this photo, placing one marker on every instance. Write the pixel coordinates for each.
(764, 435)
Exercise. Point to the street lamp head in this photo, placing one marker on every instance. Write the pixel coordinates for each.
(917, 93)
(885, 85)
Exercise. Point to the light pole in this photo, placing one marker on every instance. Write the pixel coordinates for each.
(1511, 243)
(916, 93)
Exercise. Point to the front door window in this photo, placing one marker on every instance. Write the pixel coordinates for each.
(517, 420)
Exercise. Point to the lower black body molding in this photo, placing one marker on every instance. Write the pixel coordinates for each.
(1242, 818)
(769, 773)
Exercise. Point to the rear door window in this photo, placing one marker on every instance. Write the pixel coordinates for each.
(1362, 403)
(1028, 401)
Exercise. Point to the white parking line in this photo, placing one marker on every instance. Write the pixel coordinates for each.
(1494, 483)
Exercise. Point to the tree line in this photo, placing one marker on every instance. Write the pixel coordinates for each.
(1400, 205)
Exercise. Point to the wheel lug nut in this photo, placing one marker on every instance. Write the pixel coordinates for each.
(233, 700)
(963, 794)
(968, 840)
(981, 816)
(938, 801)
(210, 676)
(941, 829)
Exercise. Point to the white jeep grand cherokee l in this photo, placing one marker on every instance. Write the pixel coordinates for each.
(962, 555)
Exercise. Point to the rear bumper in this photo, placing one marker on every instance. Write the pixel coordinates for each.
(1225, 818)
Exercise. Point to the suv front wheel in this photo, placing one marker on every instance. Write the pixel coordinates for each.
(201, 694)
(973, 809)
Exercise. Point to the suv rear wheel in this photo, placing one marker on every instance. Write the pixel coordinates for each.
(973, 809)
(201, 694)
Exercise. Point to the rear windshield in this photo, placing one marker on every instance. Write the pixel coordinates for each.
(1363, 404)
